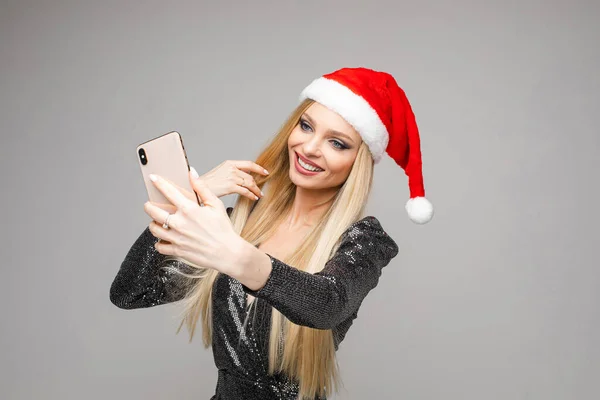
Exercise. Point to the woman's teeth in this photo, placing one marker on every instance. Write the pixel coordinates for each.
(308, 167)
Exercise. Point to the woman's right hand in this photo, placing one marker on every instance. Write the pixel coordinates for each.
(230, 177)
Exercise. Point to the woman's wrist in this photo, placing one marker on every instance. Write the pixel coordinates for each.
(251, 266)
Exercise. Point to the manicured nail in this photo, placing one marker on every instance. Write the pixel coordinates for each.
(266, 172)
(152, 177)
(194, 173)
(261, 193)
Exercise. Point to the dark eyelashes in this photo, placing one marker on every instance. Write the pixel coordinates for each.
(342, 145)
(303, 124)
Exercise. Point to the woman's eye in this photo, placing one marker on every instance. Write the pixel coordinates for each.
(304, 126)
(341, 145)
(337, 144)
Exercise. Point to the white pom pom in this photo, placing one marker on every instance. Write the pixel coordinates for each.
(419, 209)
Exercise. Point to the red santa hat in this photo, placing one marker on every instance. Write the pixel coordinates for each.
(373, 103)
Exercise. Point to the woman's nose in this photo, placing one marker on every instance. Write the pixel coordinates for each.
(311, 147)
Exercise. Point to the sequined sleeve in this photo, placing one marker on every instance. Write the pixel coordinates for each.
(141, 282)
(327, 298)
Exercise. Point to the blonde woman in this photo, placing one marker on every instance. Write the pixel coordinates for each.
(299, 258)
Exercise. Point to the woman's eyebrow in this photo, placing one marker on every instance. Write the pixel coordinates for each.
(312, 121)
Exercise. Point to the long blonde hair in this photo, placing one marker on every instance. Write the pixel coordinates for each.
(308, 354)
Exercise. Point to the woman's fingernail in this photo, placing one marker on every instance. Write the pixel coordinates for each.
(194, 173)
(266, 172)
(152, 177)
(261, 193)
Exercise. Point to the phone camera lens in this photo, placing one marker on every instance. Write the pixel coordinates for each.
(142, 155)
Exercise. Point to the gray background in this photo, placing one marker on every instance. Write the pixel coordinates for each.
(496, 298)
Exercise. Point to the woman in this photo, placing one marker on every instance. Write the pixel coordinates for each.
(303, 256)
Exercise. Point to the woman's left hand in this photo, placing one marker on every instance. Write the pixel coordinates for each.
(202, 235)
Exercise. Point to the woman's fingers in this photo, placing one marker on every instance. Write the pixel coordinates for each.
(155, 212)
(233, 176)
(167, 236)
(207, 197)
(248, 165)
(190, 195)
(247, 186)
(176, 197)
(245, 192)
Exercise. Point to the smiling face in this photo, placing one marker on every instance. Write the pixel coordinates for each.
(323, 139)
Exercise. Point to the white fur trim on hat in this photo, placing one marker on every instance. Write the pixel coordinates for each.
(354, 109)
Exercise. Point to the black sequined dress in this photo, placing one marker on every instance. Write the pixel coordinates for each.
(329, 299)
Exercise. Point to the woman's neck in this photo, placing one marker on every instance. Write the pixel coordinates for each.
(308, 208)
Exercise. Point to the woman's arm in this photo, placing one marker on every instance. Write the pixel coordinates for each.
(141, 283)
(326, 298)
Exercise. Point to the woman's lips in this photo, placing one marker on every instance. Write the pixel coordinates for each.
(301, 169)
(305, 161)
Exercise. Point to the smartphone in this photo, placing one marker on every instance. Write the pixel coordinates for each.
(165, 156)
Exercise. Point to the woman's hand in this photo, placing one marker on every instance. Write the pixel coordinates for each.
(202, 235)
(229, 177)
